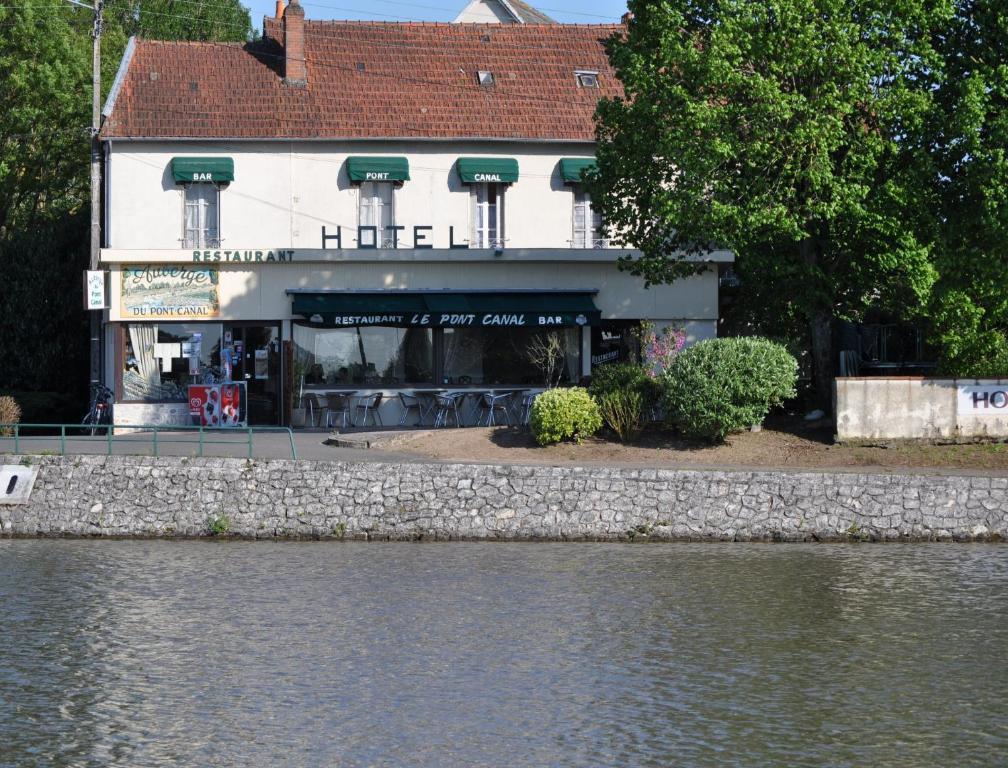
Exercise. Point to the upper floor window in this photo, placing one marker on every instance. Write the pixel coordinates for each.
(201, 217)
(488, 215)
(587, 222)
(377, 210)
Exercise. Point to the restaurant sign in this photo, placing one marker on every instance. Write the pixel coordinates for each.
(446, 320)
(169, 293)
(983, 400)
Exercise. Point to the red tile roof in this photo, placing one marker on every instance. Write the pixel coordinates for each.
(371, 80)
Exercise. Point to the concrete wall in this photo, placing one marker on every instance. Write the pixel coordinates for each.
(898, 408)
(141, 496)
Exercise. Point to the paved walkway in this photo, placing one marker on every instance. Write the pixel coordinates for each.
(311, 446)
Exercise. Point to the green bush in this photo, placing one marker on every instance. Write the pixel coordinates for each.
(720, 386)
(623, 377)
(564, 414)
(623, 412)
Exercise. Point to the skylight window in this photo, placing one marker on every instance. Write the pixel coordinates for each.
(486, 79)
(586, 79)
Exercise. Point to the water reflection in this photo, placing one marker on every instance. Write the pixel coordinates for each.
(182, 654)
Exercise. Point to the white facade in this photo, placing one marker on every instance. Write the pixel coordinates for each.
(285, 191)
(271, 220)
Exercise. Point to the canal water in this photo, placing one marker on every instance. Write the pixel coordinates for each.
(154, 653)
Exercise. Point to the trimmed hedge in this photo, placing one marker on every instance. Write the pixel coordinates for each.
(720, 386)
(564, 414)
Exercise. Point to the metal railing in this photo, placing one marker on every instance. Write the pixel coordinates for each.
(160, 435)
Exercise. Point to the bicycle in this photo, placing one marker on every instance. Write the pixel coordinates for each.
(100, 411)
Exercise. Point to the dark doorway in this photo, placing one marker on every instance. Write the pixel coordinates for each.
(257, 363)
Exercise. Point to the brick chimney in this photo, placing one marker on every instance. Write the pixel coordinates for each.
(279, 9)
(295, 69)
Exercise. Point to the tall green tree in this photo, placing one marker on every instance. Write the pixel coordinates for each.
(967, 138)
(778, 129)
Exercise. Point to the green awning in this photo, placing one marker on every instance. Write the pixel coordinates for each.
(572, 167)
(449, 309)
(472, 170)
(195, 169)
(361, 168)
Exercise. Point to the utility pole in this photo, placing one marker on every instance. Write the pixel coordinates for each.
(96, 184)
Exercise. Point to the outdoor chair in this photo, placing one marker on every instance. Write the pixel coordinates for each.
(525, 409)
(447, 405)
(339, 404)
(368, 404)
(410, 403)
(311, 403)
(496, 402)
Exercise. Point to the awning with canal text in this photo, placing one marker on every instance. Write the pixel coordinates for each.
(448, 309)
(188, 170)
(361, 168)
(473, 170)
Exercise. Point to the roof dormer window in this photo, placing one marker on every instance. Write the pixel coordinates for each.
(586, 78)
(486, 79)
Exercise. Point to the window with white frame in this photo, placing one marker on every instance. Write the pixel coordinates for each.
(201, 216)
(587, 222)
(377, 210)
(488, 215)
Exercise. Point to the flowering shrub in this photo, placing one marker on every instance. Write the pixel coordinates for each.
(660, 349)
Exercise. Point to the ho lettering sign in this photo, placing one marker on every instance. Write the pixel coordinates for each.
(983, 400)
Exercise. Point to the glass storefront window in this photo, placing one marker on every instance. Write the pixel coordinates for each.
(512, 356)
(162, 359)
(370, 356)
(615, 341)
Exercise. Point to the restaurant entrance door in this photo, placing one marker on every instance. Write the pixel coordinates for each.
(257, 363)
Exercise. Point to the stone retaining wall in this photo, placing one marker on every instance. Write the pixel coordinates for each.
(141, 496)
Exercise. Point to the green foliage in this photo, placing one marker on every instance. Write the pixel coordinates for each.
(720, 386)
(777, 130)
(564, 414)
(218, 524)
(967, 137)
(614, 377)
(623, 412)
(626, 396)
(10, 413)
(972, 337)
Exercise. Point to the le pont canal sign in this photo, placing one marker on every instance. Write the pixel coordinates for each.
(983, 400)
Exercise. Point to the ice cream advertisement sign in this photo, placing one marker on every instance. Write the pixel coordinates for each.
(167, 292)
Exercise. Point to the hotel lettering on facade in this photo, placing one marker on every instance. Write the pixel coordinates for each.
(363, 205)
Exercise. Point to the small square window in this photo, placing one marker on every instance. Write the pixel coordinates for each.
(486, 79)
(587, 79)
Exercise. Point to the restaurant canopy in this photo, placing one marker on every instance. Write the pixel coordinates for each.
(364, 168)
(473, 170)
(447, 309)
(571, 168)
(187, 170)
